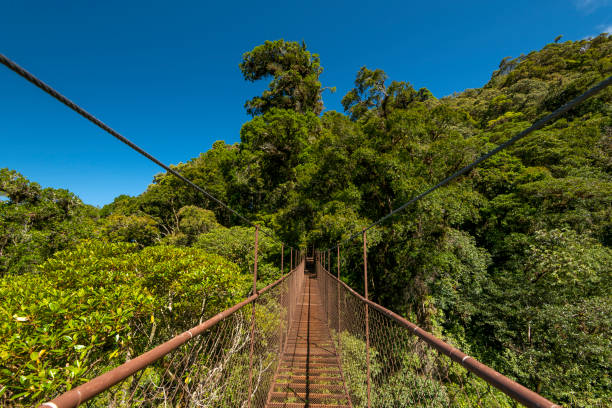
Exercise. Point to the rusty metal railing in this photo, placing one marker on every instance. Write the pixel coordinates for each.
(227, 361)
(391, 362)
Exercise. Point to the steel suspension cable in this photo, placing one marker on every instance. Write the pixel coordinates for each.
(13, 66)
(535, 126)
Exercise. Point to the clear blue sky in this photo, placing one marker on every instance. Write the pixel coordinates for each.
(165, 74)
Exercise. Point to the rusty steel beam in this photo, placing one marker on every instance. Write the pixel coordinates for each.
(338, 298)
(367, 319)
(85, 392)
(339, 350)
(511, 388)
(253, 317)
(280, 326)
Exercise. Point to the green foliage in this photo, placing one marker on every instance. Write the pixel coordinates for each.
(295, 74)
(237, 244)
(560, 307)
(371, 94)
(278, 139)
(91, 308)
(192, 221)
(217, 171)
(140, 230)
(511, 263)
(404, 378)
(122, 204)
(368, 93)
(36, 222)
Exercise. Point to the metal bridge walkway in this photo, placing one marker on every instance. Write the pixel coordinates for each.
(309, 373)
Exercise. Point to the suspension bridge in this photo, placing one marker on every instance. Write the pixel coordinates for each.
(306, 340)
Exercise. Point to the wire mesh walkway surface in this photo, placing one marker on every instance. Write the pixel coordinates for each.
(309, 373)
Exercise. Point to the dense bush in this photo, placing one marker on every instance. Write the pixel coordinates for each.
(36, 222)
(91, 308)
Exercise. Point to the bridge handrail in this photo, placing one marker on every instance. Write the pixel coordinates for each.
(103, 382)
(509, 387)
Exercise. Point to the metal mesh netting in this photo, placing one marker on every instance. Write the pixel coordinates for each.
(403, 369)
(212, 369)
(309, 374)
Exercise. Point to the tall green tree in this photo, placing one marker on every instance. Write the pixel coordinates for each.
(36, 222)
(372, 94)
(295, 77)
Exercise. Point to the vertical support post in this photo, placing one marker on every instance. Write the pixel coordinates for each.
(367, 319)
(328, 291)
(338, 302)
(253, 316)
(324, 288)
(282, 305)
(291, 266)
(291, 300)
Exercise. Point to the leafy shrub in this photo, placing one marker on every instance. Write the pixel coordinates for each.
(238, 245)
(35, 222)
(93, 307)
(137, 229)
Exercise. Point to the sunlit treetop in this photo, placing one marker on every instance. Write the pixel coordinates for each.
(295, 77)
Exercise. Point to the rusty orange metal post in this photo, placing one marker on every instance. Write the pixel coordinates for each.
(367, 320)
(338, 298)
(282, 259)
(280, 326)
(329, 292)
(339, 355)
(253, 316)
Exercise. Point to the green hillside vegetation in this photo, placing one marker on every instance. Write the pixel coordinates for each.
(512, 263)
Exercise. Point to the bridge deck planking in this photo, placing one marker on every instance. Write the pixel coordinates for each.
(309, 373)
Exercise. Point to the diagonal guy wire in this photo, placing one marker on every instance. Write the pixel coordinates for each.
(13, 66)
(535, 126)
